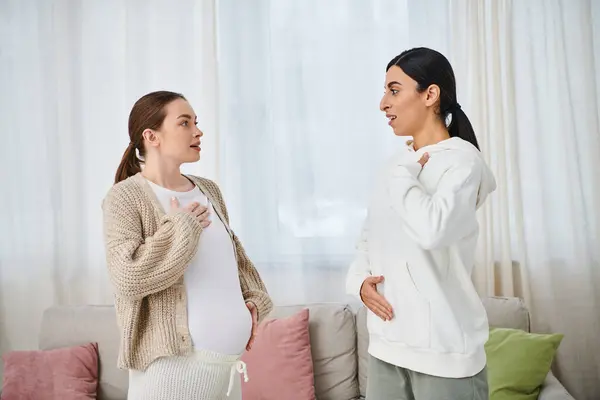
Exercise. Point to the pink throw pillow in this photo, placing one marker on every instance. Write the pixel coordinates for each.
(280, 364)
(69, 373)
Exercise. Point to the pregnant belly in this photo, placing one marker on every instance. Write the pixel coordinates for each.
(222, 324)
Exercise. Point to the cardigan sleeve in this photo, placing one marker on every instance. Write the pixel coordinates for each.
(137, 266)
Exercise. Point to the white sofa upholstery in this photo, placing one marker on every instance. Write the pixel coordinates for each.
(338, 338)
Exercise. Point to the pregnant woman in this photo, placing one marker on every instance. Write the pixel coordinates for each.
(426, 323)
(187, 297)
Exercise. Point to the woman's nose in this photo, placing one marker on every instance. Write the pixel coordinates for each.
(382, 104)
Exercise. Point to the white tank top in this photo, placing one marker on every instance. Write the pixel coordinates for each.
(218, 318)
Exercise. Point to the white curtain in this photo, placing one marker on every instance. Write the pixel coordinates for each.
(530, 79)
(287, 93)
(302, 133)
(556, 82)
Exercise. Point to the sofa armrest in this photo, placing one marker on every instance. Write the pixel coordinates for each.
(552, 389)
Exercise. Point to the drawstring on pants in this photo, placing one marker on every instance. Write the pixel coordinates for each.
(240, 368)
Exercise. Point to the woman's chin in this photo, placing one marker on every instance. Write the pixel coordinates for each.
(398, 132)
(192, 158)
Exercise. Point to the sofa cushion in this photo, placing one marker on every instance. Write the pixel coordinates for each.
(362, 347)
(333, 346)
(504, 312)
(519, 362)
(552, 389)
(67, 373)
(501, 311)
(280, 362)
(76, 325)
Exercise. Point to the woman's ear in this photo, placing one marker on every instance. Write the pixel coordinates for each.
(432, 95)
(150, 137)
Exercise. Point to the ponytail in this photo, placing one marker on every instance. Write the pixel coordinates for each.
(461, 127)
(129, 166)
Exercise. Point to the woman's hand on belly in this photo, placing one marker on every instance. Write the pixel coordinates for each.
(254, 313)
(375, 301)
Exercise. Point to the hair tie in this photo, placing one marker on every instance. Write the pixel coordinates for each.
(454, 107)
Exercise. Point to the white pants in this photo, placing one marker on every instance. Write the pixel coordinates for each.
(203, 375)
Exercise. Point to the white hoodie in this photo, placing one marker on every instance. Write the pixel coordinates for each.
(420, 234)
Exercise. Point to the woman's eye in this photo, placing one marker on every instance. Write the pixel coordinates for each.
(184, 123)
(394, 92)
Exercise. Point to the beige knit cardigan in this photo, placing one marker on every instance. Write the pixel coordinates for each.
(147, 252)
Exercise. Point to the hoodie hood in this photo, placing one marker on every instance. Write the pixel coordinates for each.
(456, 144)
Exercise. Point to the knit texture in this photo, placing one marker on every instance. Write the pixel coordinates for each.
(147, 252)
(201, 375)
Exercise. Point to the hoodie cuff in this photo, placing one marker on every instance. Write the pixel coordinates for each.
(354, 285)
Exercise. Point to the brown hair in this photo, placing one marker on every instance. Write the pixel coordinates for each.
(147, 113)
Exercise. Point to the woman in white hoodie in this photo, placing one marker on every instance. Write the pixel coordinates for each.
(427, 325)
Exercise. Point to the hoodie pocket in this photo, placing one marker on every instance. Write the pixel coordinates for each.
(450, 313)
(411, 322)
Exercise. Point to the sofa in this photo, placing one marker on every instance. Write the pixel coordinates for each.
(338, 338)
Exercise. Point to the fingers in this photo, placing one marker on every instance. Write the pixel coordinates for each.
(203, 216)
(378, 310)
(200, 212)
(250, 343)
(253, 334)
(379, 305)
(254, 312)
(254, 327)
(424, 159)
(383, 304)
(174, 203)
(380, 300)
(252, 308)
(194, 208)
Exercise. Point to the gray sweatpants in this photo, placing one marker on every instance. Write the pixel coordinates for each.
(389, 382)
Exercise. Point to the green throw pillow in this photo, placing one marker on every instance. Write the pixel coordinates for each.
(518, 362)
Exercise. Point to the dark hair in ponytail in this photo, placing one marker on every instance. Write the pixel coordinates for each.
(429, 67)
(147, 113)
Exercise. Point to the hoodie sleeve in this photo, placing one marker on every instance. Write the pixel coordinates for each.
(438, 219)
(360, 268)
